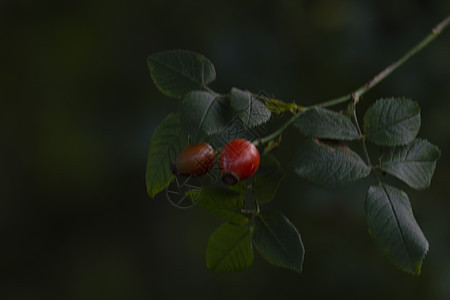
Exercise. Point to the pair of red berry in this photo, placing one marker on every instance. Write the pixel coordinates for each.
(238, 160)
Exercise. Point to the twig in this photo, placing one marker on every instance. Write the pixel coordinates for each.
(356, 95)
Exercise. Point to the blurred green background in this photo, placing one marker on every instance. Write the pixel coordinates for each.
(79, 108)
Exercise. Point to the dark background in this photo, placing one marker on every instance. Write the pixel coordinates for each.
(78, 109)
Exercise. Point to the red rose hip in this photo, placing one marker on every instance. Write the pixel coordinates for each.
(194, 160)
(238, 160)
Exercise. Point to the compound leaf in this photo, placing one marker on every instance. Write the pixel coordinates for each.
(229, 249)
(414, 163)
(326, 124)
(328, 165)
(250, 110)
(179, 71)
(278, 241)
(165, 144)
(393, 228)
(392, 122)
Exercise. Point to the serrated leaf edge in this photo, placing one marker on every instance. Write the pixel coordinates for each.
(417, 267)
(151, 58)
(279, 243)
(154, 193)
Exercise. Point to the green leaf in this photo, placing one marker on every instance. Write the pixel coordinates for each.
(392, 122)
(221, 201)
(414, 163)
(394, 229)
(177, 72)
(240, 187)
(279, 107)
(165, 144)
(250, 110)
(326, 124)
(205, 112)
(229, 249)
(328, 166)
(267, 179)
(278, 241)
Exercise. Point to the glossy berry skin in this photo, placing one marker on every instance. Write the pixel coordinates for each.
(238, 160)
(194, 160)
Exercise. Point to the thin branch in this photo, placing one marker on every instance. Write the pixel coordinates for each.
(279, 131)
(394, 66)
(356, 95)
(336, 101)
